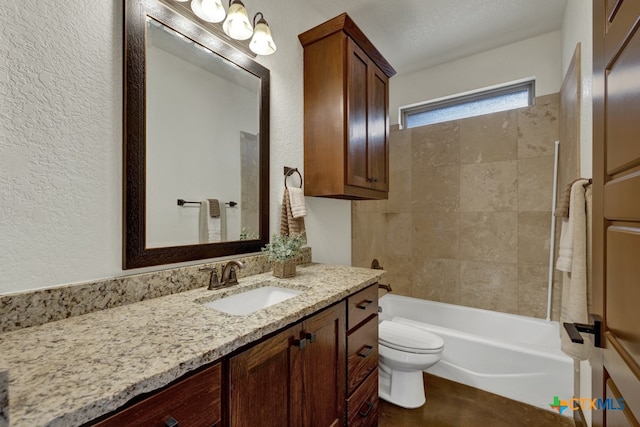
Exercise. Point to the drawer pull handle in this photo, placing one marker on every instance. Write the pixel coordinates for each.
(366, 411)
(301, 344)
(311, 336)
(364, 304)
(368, 349)
(171, 422)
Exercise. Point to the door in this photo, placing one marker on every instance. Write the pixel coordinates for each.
(616, 209)
(357, 119)
(264, 383)
(378, 132)
(323, 380)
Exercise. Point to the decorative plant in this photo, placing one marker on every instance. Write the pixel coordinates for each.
(284, 248)
(246, 235)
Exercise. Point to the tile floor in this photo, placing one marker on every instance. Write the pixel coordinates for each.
(451, 404)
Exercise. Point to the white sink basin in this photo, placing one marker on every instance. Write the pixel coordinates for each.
(252, 300)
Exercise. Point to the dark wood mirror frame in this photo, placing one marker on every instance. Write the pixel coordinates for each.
(135, 252)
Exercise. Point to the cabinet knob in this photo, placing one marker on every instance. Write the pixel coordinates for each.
(171, 422)
(311, 336)
(301, 344)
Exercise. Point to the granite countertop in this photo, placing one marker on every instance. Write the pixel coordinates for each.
(71, 371)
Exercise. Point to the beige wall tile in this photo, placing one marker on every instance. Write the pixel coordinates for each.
(400, 191)
(436, 235)
(489, 138)
(538, 128)
(535, 184)
(399, 234)
(435, 189)
(533, 237)
(400, 274)
(489, 236)
(435, 145)
(436, 279)
(368, 237)
(400, 150)
(489, 187)
(489, 285)
(532, 290)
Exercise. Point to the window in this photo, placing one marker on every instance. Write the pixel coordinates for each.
(486, 101)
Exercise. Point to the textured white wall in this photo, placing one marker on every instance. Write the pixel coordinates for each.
(61, 138)
(538, 56)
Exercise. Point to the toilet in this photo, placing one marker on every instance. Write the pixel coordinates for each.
(404, 352)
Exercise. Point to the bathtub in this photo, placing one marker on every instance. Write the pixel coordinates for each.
(514, 356)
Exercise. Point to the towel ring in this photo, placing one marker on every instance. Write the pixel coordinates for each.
(288, 172)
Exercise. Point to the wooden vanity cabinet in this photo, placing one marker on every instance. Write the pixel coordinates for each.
(346, 113)
(362, 358)
(295, 378)
(193, 401)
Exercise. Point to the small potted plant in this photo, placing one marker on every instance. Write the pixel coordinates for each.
(282, 251)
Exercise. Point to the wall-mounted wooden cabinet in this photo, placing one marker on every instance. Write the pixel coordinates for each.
(346, 113)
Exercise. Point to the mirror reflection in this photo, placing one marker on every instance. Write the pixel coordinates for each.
(202, 144)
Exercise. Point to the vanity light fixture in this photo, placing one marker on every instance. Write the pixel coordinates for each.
(237, 24)
(208, 10)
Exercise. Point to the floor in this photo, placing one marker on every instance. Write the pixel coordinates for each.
(450, 404)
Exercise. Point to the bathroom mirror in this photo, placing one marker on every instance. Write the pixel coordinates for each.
(196, 129)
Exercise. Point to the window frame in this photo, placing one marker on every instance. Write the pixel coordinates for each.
(460, 99)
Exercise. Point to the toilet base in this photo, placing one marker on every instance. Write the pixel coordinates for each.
(405, 389)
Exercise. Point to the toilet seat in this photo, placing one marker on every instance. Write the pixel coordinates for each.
(408, 338)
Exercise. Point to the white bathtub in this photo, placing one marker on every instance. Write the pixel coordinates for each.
(514, 356)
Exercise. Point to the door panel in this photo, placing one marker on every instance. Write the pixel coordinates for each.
(616, 207)
(324, 368)
(357, 73)
(378, 130)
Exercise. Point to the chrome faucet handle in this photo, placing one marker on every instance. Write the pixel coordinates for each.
(213, 282)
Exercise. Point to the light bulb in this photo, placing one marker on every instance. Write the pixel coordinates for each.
(208, 10)
(237, 25)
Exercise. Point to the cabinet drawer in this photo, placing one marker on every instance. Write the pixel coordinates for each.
(362, 407)
(362, 305)
(194, 401)
(362, 353)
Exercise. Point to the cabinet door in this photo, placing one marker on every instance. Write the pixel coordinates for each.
(357, 104)
(378, 129)
(264, 383)
(324, 368)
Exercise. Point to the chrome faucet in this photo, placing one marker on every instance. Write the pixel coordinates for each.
(229, 277)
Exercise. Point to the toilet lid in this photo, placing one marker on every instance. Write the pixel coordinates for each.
(408, 338)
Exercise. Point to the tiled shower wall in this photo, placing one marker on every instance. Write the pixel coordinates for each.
(469, 211)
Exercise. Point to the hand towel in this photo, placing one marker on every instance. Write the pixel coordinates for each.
(214, 208)
(574, 281)
(298, 206)
(212, 229)
(289, 224)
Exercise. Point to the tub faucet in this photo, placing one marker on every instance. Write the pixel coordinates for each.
(229, 277)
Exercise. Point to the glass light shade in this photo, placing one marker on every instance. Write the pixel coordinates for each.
(262, 43)
(181, 1)
(208, 10)
(237, 24)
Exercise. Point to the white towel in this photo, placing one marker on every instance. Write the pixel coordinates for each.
(212, 229)
(565, 246)
(298, 206)
(574, 281)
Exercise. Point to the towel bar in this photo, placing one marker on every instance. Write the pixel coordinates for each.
(182, 202)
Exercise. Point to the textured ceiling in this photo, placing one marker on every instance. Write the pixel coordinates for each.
(417, 34)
